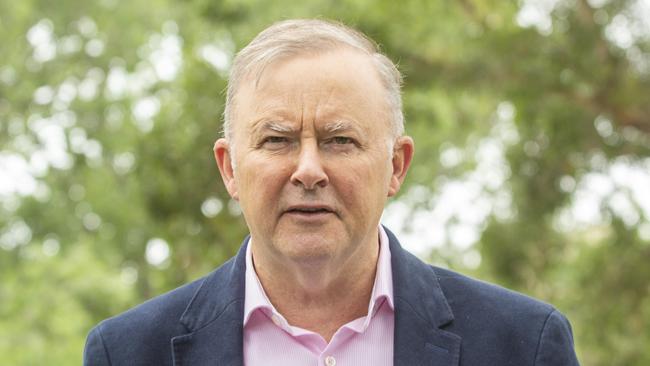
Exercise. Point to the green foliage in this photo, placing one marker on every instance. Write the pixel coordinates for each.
(119, 145)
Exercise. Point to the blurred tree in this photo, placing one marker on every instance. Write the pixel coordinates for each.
(109, 194)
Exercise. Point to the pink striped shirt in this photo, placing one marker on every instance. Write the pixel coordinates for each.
(270, 340)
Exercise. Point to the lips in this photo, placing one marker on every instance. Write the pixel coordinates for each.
(310, 209)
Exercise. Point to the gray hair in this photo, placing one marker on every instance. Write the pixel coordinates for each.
(294, 37)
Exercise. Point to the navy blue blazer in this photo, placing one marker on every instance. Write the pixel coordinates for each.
(441, 318)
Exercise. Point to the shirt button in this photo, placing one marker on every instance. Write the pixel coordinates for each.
(330, 361)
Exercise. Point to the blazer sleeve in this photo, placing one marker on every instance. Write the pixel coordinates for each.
(95, 353)
(555, 346)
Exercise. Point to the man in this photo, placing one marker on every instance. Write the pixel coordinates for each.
(313, 148)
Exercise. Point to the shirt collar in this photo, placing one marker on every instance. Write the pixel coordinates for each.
(382, 289)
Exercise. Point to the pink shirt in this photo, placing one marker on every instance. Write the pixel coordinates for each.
(270, 340)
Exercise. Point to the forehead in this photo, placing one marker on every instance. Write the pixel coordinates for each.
(339, 83)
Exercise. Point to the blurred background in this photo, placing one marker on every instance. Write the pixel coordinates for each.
(532, 128)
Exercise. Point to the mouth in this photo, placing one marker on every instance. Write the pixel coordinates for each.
(309, 211)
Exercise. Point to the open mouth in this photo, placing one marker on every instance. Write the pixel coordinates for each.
(307, 211)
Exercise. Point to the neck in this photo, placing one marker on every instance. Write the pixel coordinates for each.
(321, 296)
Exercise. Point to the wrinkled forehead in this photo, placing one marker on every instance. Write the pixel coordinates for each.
(344, 80)
(313, 58)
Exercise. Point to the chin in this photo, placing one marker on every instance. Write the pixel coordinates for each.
(307, 247)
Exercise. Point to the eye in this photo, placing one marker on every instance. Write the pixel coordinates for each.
(274, 140)
(342, 140)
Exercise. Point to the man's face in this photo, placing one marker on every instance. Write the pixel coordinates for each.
(312, 166)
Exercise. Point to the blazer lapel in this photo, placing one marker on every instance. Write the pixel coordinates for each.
(214, 318)
(421, 309)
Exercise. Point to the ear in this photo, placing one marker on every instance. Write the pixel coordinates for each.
(223, 158)
(402, 155)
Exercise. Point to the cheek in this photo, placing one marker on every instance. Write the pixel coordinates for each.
(262, 181)
(363, 187)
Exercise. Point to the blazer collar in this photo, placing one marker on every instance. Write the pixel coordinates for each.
(214, 317)
(421, 309)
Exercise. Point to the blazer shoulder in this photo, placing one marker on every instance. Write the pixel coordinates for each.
(156, 311)
(470, 292)
(138, 335)
(501, 326)
(143, 334)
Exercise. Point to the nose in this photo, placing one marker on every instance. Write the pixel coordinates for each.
(309, 171)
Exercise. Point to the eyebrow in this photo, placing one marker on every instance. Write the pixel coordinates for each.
(271, 125)
(279, 127)
(339, 126)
